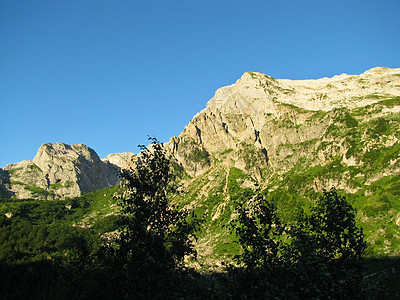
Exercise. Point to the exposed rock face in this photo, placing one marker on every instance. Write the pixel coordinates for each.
(61, 171)
(114, 163)
(118, 159)
(270, 116)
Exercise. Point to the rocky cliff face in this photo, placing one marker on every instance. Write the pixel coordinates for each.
(62, 171)
(273, 116)
(294, 138)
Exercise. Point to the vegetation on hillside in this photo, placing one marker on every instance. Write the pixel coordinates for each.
(318, 257)
(137, 244)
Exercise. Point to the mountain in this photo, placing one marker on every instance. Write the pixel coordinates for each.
(292, 139)
(62, 171)
(271, 116)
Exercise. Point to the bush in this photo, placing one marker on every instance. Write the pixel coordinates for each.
(318, 257)
(145, 258)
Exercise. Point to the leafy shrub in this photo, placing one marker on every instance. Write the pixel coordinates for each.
(391, 102)
(258, 230)
(376, 207)
(332, 223)
(146, 255)
(319, 257)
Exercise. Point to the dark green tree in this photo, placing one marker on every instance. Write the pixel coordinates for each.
(327, 248)
(261, 235)
(149, 248)
(319, 256)
(259, 231)
(333, 226)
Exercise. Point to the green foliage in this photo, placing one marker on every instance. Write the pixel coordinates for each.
(269, 77)
(293, 107)
(214, 196)
(378, 214)
(67, 211)
(227, 151)
(350, 122)
(34, 167)
(68, 183)
(352, 148)
(196, 154)
(375, 96)
(35, 259)
(259, 230)
(56, 185)
(343, 116)
(318, 115)
(25, 242)
(235, 191)
(333, 130)
(72, 265)
(253, 157)
(377, 206)
(390, 102)
(319, 257)
(253, 75)
(199, 155)
(38, 191)
(288, 204)
(332, 223)
(380, 126)
(380, 158)
(107, 224)
(154, 237)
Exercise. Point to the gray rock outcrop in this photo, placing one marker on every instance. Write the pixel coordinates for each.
(63, 171)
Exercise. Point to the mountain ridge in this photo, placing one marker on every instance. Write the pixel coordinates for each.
(254, 135)
(240, 115)
(283, 139)
(255, 97)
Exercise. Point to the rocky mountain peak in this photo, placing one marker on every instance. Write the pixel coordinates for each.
(47, 153)
(63, 171)
(246, 114)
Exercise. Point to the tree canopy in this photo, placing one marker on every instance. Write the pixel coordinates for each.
(319, 256)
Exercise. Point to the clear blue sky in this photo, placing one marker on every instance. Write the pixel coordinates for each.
(109, 73)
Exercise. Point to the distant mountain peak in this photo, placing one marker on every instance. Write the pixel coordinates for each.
(62, 171)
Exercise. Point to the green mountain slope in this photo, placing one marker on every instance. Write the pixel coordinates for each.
(292, 142)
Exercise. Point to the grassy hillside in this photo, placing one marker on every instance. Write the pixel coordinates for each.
(37, 231)
(31, 230)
